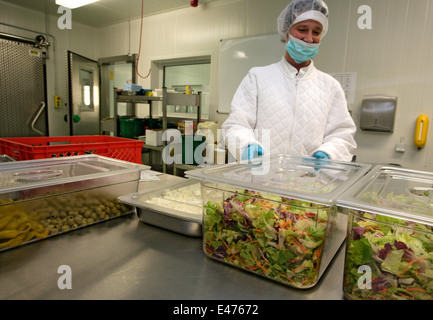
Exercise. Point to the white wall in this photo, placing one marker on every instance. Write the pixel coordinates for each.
(394, 58)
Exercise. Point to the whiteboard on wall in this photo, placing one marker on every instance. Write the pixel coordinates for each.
(238, 56)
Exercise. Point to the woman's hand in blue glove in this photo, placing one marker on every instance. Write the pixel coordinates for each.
(252, 151)
(321, 155)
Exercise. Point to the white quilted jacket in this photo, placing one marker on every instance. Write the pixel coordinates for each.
(305, 113)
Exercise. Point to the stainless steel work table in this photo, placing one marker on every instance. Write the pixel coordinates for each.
(124, 258)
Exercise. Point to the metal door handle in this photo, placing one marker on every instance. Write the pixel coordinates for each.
(36, 118)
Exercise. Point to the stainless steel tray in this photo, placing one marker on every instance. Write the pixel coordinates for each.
(161, 208)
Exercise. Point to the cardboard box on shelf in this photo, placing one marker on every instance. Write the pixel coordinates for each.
(154, 137)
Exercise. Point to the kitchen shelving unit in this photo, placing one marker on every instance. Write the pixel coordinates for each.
(167, 99)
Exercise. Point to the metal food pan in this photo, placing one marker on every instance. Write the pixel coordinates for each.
(161, 208)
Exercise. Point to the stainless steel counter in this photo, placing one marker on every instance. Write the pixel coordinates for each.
(124, 258)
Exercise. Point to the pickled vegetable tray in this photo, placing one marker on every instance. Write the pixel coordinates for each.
(47, 197)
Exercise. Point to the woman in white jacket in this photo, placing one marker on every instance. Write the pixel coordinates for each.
(290, 107)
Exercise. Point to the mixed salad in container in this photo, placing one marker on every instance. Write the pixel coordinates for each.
(398, 255)
(389, 249)
(278, 237)
(282, 225)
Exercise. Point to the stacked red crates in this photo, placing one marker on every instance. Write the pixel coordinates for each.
(30, 148)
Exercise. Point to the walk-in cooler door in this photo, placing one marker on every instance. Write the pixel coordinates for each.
(23, 111)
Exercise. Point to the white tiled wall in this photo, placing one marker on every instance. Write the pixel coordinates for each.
(395, 57)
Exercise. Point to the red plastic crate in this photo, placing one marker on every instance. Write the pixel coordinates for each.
(30, 148)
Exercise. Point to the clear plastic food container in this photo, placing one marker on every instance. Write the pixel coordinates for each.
(41, 198)
(276, 219)
(389, 248)
(177, 207)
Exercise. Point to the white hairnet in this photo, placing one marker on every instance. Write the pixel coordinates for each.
(301, 10)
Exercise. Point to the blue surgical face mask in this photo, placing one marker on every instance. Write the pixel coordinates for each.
(301, 51)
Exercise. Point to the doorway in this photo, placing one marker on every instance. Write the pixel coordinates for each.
(83, 86)
(178, 73)
(115, 72)
(195, 77)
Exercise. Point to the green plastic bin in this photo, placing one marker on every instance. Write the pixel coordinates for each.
(153, 123)
(131, 127)
(189, 146)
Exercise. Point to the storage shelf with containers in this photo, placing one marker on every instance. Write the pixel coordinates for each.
(167, 98)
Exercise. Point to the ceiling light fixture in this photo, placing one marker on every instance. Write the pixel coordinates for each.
(72, 4)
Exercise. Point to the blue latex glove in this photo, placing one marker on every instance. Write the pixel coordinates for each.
(252, 151)
(321, 155)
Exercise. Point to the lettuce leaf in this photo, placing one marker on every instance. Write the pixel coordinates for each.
(361, 252)
(280, 238)
(393, 261)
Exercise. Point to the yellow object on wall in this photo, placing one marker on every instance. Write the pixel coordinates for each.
(421, 130)
(57, 102)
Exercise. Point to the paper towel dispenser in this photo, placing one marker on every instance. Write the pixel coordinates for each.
(378, 113)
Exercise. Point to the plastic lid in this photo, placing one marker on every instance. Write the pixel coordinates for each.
(396, 192)
(309, 179)
(37, 173)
